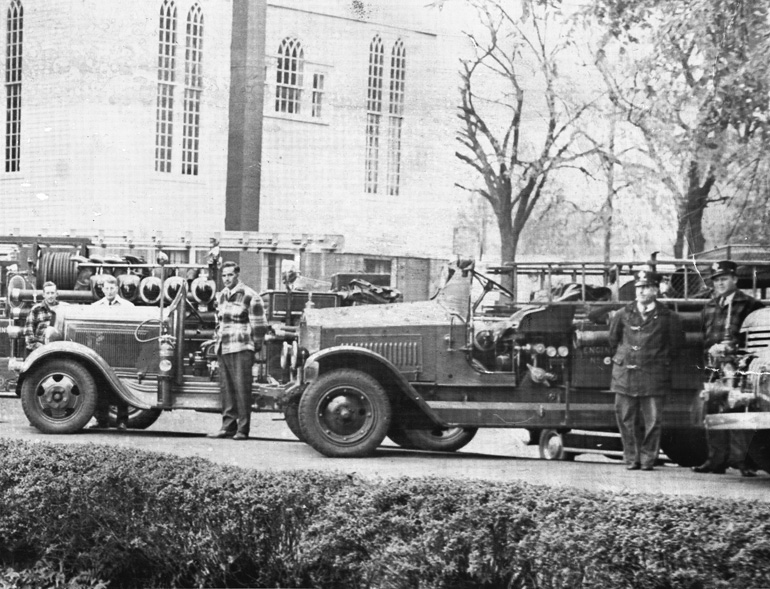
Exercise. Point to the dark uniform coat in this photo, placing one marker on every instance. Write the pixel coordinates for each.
(715, 318)
(644, 349)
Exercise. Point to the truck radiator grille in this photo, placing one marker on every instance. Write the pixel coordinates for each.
(757, 340)
(405, 352)
(115, 342)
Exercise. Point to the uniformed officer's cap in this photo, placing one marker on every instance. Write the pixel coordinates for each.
(722, 268)
(647, 278)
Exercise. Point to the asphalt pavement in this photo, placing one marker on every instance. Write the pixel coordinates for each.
(495, 454)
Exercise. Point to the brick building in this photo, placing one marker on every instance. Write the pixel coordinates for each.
(330, 116)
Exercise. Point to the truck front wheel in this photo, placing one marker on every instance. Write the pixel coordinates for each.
(344, 414)
(59, 396)
(291, 415)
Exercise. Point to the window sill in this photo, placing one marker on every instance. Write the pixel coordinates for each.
(177, 177)
(297, 118)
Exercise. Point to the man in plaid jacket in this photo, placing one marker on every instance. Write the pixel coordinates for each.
(40, 316)
(241, 327)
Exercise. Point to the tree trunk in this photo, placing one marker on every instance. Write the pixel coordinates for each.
(508, 244)
(690, 215)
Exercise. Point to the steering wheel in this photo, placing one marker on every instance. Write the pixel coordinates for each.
(484, 340)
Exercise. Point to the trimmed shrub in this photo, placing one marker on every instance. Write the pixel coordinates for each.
(138, 519)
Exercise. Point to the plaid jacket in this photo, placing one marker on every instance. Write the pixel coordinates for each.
(241, 321)
(34, 330)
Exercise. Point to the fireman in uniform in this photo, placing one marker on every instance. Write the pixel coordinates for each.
(721, 322)
(645, 337)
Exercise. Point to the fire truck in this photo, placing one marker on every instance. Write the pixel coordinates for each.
(520, 346)
(527, 348)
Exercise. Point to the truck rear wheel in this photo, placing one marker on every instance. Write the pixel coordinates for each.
(685, 447)
(551, 446)
(438, 439)
(344, 414)
(59, 396)
(137, 418)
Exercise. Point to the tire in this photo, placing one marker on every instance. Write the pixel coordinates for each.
(291, 415)
(551, 446)
(685, 447)
(437, 439)
(345, 414)
(759, 450)
(137, 418)
(398, 437)
(59, 396)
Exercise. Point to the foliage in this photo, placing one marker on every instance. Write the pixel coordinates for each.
(691, 78)
(137, 519)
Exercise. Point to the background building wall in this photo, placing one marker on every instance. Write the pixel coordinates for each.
(88, 121)
(89, 124)
(314, 169)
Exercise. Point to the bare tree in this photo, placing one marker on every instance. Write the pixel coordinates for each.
(515, 141)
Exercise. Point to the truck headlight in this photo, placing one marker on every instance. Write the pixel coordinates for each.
(165, 365)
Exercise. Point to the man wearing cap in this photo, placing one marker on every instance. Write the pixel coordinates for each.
(645, 337)
(722, 318)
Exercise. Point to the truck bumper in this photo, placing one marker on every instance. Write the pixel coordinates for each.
(739, 421)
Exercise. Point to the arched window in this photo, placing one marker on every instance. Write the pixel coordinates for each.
(288, 83)
(193, 87)
(396, 116)
(13, 53)
(374, 113)
(164, 109)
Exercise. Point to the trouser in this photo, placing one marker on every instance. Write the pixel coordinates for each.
(728, 448)
(639, 422)
(102, 411)
(235, 385)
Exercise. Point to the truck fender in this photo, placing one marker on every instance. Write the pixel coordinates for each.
(314, 361)
(90, 359)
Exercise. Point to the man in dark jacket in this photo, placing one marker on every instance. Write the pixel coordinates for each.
(722, 318)
(645, 337)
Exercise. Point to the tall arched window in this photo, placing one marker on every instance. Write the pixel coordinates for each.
(374, 113)
(13, 53)
(164, 109)
(288, 83)
(396, 116)
(193, 87)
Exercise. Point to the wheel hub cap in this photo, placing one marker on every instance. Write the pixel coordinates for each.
(345, 414)
(57, 393)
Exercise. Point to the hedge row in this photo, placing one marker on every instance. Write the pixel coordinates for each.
(138, 519)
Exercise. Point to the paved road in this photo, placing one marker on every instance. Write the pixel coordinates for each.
(499, 455)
